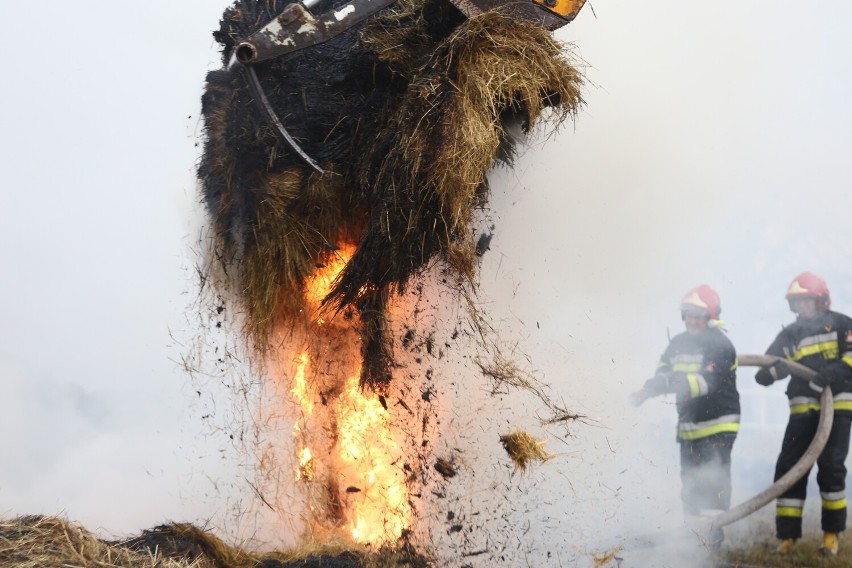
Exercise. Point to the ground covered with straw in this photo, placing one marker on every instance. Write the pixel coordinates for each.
(39, 542)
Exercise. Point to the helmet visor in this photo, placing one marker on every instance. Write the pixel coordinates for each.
(690, 310)
(803, 304)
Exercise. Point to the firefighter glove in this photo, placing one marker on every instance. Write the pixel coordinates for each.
(637, 398)
(656, 385)
(763, 377)
(779, 370)
(819, 382)
(775, 372)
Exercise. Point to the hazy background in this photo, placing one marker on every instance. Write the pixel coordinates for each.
(713, 148)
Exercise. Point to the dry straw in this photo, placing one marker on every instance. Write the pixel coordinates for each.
(523, 448)
(38, 542)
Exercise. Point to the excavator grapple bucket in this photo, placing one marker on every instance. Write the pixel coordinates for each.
(298, 28)
(550, 14)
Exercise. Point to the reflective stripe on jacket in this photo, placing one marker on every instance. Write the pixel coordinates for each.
(824, 344)
(702, 372)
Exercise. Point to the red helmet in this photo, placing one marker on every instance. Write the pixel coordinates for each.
(703, 298)
(809, 285)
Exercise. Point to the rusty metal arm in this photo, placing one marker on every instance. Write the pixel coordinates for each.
(296, 28)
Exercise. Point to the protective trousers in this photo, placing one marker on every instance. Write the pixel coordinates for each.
(705, 473)
(831, 474)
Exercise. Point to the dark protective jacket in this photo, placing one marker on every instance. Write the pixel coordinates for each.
(701, 370)
(824, 344)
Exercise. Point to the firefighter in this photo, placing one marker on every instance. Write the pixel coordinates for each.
(699, 366)
(821, 340)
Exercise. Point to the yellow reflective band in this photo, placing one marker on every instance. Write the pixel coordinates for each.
(848, 360)
(788, 512)
(687, 367)
(735, 365)
(829, 350)
(694, 390)
(802, 408)
(710, 430)
(834, 505)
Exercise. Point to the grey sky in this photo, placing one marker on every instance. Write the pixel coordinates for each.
(100, 122)
(714, 148)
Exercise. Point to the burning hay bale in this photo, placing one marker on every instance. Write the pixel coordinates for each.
(405, 114)
(37, 541)
(524, 448)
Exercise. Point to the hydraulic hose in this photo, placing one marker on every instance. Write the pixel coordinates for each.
(826, 418)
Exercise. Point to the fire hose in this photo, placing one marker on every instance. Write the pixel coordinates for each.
(826, 418)
(786, 481)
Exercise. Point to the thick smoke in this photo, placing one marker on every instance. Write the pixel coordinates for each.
(713, 148)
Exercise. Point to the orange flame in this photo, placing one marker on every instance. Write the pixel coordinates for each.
(300, 386)
(319, 284)
(361, 453)
(306, 465)
(367, 444)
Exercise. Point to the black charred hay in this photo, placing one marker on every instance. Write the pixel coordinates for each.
(406, 115)
(37, 542)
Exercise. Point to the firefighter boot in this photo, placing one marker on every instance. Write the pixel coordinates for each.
(715, 540)
(785, 547)
(830, 545)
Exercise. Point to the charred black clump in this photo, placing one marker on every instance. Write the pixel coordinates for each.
(446, 468)
(405, 113)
